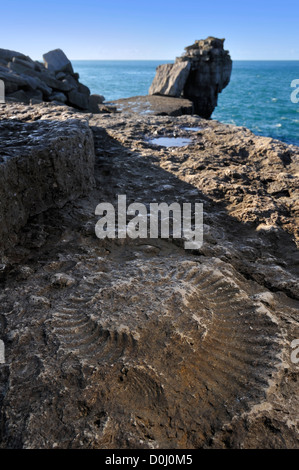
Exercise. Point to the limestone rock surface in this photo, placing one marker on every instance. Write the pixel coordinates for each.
(201, 73)
(170, 79)
(154, 104)
(124, 343)
(43, 165)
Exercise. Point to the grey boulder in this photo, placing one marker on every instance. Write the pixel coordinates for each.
(54, 81)
(58, 96)
(170, 79)
(94, 102)
(57, 61)
(26, 63)
(19, 96)
(79, 100)
(7, 55)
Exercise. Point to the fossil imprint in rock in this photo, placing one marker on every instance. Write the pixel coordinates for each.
(173, 338)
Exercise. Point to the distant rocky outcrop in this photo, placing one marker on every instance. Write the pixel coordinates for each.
(199, 75)
(28, 81)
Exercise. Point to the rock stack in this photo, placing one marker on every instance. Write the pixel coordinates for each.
(201, 73)
(54, 80)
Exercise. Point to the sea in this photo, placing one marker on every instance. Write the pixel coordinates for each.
(257, 97)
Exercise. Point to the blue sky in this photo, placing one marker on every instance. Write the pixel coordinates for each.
(156, 29)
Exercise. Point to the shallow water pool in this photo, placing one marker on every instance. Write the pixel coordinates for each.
(193, 129)
(171, 141)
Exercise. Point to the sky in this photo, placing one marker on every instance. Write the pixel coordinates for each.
(155, 29)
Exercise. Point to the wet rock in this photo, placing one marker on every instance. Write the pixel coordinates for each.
(156, 105)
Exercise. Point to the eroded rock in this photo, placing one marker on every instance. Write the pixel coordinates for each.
(150, 345)
(42, 165)
(199, 75)
(170, 79)
(156, 105)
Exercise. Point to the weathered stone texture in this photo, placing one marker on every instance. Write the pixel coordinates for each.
(170, 79)
(42, 165)
(199, 75)
(155, 104)
(138, 343)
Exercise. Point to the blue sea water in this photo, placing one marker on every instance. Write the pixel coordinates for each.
(258, 95)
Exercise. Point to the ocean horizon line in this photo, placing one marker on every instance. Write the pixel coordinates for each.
(172, 60)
